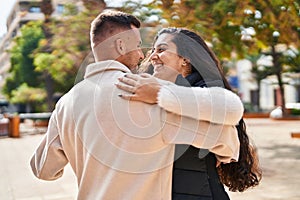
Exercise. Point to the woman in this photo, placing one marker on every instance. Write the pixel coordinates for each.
(182, 56)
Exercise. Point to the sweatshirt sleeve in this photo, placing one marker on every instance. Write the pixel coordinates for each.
(49, 159)
(222, 140)
(214, 104)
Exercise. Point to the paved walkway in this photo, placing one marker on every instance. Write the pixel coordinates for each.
(279, 157)
(16, 179)
(280, 160)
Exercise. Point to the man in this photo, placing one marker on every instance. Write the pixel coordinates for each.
(118, 149)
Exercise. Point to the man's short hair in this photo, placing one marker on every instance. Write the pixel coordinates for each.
(109, 23)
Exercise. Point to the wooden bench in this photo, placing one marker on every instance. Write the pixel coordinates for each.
(295, 134)
(39, 119)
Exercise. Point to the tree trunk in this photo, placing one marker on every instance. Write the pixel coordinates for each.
(167, 3)
(258, 95)
(278, 72)
(47, 9)
(98, 5)
(50, 91)
(298, 93)
(281, 89)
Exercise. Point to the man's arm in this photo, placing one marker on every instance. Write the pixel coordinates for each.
(49, 159)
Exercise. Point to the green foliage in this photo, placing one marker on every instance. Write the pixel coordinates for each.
(69, 46)
(249, 108)
(70, 9)
(220, 22)
(33, 98)
(295, 111)
(22, 68)
(48, 54)
(25, 94)
(10, 84)
(43, 61)
(292, 60)
(248, 27)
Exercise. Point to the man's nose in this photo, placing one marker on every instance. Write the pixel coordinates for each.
(142, 56)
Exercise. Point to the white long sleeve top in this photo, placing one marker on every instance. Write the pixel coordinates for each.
(214, 104)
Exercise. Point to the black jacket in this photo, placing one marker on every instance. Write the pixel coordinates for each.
(195, 174)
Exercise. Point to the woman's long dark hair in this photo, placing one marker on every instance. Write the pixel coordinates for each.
(237, 176)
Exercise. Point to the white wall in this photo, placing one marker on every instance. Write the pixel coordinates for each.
(268, 85)
(246, 82)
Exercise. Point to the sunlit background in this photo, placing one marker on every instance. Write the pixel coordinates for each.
(43, 44)
(257, 44)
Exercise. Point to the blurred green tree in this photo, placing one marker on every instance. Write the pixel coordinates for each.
(60, 55)
(32, 97)
(50, 61)
(271, 28)
(47, 9)
(244, 27)
(22, 69)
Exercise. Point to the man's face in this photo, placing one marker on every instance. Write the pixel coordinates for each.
(134, 53)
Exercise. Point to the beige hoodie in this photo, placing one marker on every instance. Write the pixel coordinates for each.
(120, 149)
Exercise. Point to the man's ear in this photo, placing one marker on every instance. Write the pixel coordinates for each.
(120, 46)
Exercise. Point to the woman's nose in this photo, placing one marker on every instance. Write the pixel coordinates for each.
(153, 56)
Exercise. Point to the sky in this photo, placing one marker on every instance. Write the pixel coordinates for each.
(5, 8)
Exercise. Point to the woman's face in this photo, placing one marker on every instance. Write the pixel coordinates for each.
(164, 58)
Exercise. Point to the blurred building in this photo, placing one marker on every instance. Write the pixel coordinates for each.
(269, 96)
(22, 12)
